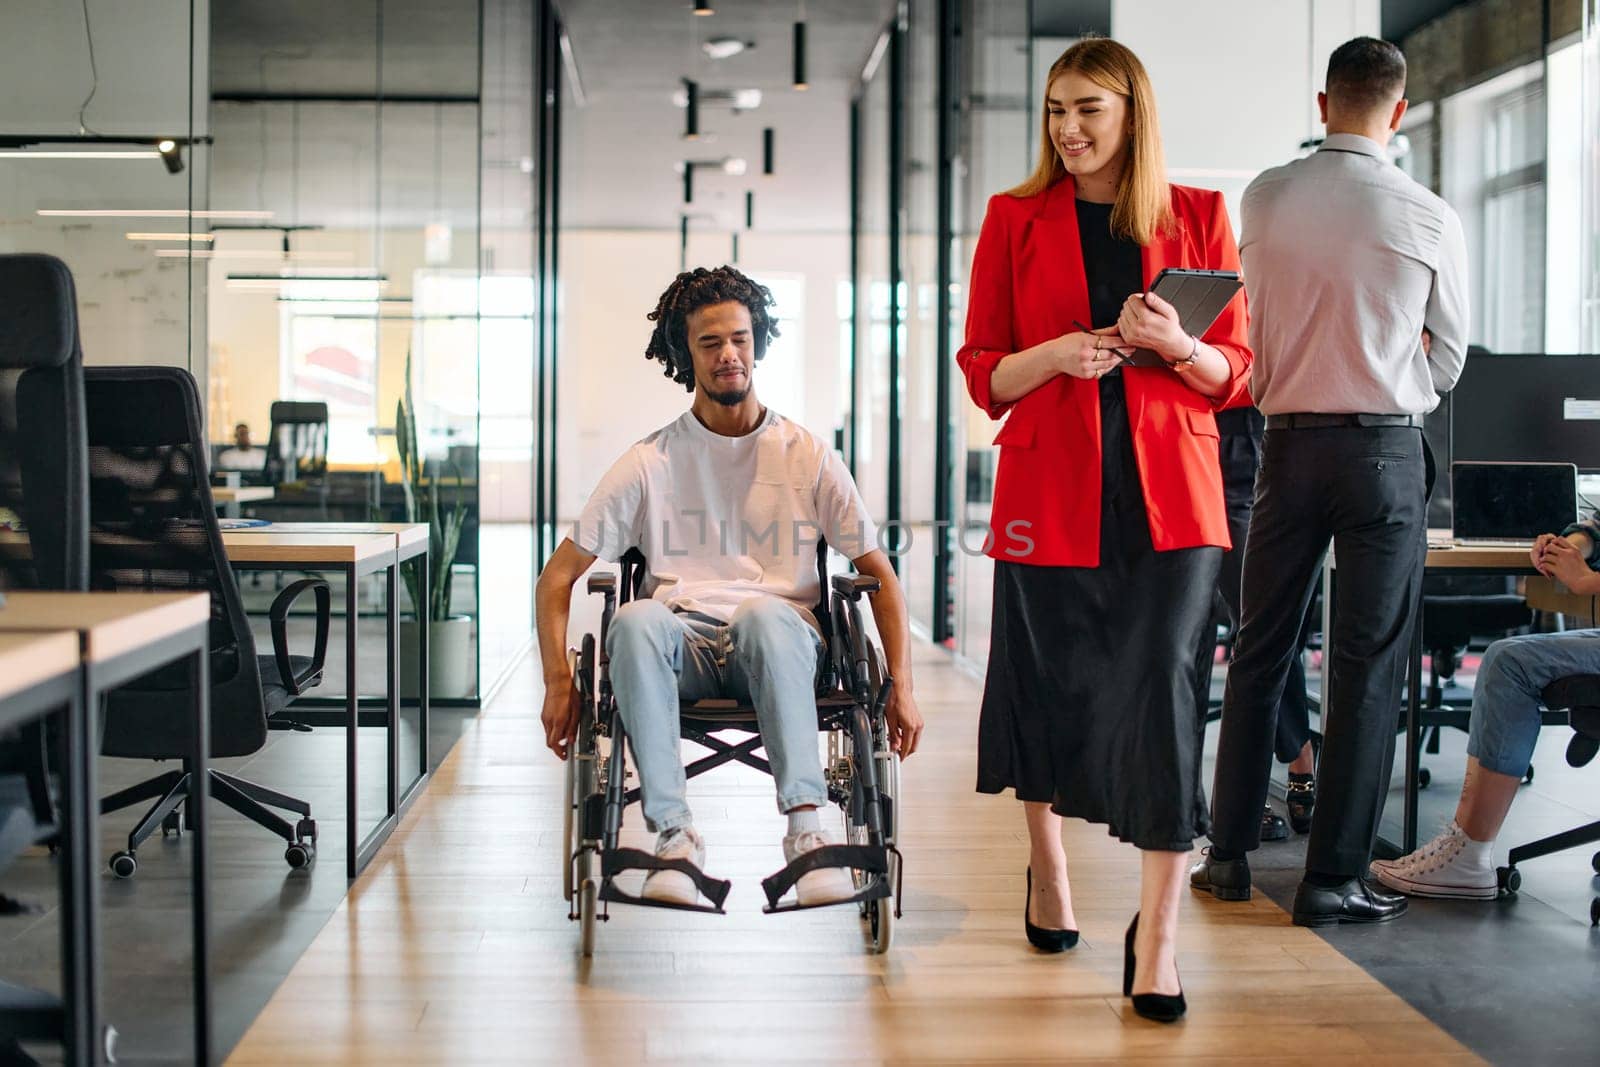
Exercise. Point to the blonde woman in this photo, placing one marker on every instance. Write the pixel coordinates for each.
(1108, 519)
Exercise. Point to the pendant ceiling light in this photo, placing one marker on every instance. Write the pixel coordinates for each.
(767, 153)
(691, 111)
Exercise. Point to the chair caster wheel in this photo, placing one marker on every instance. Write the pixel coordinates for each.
(123, 864)
(1424, 777)
(1594, 861)
(306, 831)
(1509, 878)
(1527, 779)
(1594, 912)
(171, 824)
(299, 854)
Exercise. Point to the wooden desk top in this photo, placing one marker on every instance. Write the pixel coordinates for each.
(245, 494)
(28, 659)
(1444, 554)
(271, 544)
(406, 534)
(1510, 560)
(108, 624)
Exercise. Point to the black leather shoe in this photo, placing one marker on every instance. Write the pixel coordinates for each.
(1273, 828)
(1301, 799)
(1223, 879)
(1349, 902)
(1043, 938)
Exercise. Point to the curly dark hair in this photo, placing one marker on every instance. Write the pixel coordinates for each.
(691, 291)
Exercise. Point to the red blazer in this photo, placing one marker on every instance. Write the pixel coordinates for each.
(1027, 286)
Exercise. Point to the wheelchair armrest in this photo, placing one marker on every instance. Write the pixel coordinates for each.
(279, 614)
(603, 583)
(852, 586)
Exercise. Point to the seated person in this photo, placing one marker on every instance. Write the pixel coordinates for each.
(1504, 728)
(243, 456)
(726, 503)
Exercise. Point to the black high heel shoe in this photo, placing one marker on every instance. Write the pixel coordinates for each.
(1157, 1006)
(1040, 938)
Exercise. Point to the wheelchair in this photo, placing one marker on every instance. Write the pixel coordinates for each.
(861, 771)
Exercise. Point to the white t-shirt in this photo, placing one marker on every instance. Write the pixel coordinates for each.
(722, 519)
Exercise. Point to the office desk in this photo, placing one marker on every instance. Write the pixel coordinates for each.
(39, 676)
(119, 637)
(356, 550)
(1458, 560)
(228, 498)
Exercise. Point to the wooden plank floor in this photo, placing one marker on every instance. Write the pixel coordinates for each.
(455, 946)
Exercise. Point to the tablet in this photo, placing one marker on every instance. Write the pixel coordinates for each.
(1199, 297)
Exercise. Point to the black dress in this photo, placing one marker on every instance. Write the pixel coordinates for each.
(1095, 694)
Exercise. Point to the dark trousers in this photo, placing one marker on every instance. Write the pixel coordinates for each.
(1241, 457)
(1363, 489)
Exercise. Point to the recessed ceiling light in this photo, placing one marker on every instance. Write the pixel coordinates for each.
(725, 47)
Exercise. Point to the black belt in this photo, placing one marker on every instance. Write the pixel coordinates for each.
(1320, 421)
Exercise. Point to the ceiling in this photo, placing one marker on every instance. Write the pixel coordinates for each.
(622, 143)
(621, 130)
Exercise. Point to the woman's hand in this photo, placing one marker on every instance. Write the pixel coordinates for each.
(1147, 321)
(1536, 553)
(1090, 355)
(1566, 565)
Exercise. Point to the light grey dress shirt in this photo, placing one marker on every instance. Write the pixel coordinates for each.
(1346, 260)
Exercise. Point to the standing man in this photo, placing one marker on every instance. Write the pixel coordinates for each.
(1347, 260)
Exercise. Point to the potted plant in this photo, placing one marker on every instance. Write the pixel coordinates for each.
(450, 660)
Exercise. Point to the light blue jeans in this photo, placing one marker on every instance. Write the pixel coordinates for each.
(767, 656)
(1505, 700)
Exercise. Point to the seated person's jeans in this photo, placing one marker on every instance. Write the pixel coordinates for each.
(1505, 699)
(768, 656)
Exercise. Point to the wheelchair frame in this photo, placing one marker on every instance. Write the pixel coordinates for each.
(852, 695)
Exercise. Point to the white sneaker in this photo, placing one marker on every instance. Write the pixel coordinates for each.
(1452, 866)
(675, 887)
(825, 885)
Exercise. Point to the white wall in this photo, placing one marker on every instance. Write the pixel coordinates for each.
(1236, 80)
(611, 396)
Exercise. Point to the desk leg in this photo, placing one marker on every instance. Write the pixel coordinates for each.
(80, 910)
(352, 730)
(391, 677)
(423, 656)
(200, 876)
(1408, 837)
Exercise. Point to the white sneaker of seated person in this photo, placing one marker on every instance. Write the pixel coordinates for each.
(1452, 866)
(675, 887)
(825, 885)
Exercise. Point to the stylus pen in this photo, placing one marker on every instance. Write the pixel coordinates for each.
(1124, 357)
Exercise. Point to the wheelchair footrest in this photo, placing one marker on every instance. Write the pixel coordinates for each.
(618, 860)
(868, 859)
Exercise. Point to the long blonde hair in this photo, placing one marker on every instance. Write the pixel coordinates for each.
(1144, 204)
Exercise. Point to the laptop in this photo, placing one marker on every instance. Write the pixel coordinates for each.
(1510, 504)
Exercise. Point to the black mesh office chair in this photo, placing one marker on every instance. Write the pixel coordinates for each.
(153, 527)
(297, 445)
(43, 467)
(44, 544)
(1579, 695)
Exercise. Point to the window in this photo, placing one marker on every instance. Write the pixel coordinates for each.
(1493, 173)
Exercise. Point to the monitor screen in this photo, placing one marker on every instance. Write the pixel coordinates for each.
(1513, 501)
(1527, 409)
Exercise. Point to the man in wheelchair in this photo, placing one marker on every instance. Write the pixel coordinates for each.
(726, 504)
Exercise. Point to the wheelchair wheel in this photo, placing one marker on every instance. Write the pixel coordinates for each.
(577, 864)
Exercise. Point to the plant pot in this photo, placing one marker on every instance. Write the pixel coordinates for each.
(451, 670)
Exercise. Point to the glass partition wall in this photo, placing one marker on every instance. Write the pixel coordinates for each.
(390, 278)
